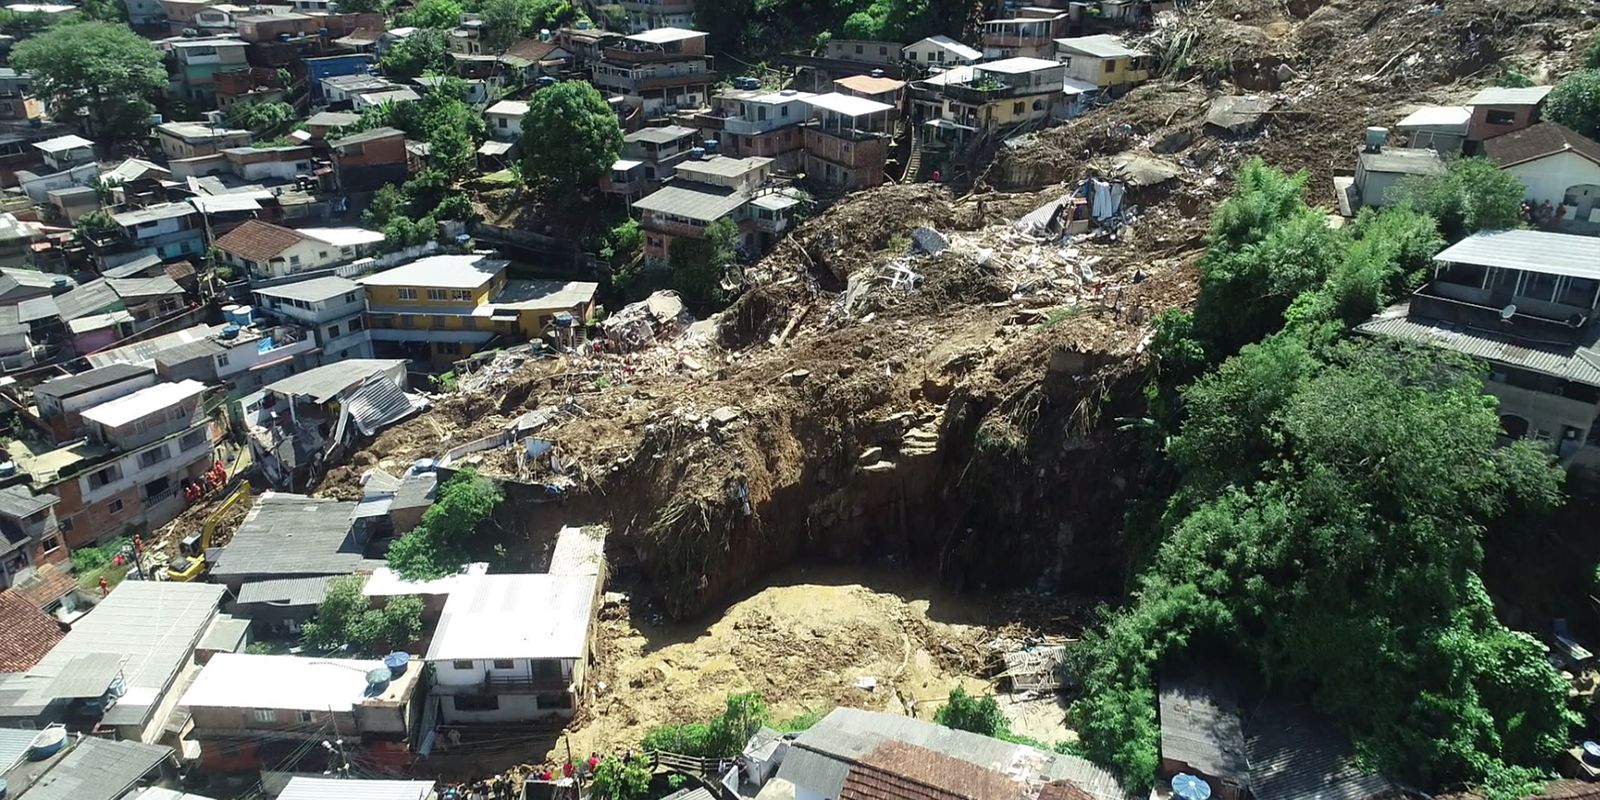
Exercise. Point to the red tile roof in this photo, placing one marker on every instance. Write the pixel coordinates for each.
(26, 633)
(1538, 141)
(50, 582)
(532, 49)
(259, 241)
(899, 771)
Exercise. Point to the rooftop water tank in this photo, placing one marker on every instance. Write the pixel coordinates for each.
(396, 663)
(378, 680)
(1377, 138)
(697, 153)
(242, 315)
(423, 465)
(8, 468)
(230, 332)
(544, 81)
(709, 145)
(877, 73)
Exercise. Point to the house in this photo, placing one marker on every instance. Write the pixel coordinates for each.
(16, 96)
(322, 123)
(757, 122)
(513, 648)
(292, 536)
(505, 119)
(385, 583)
(241, 358)
(535, 58)
(937, 52)
(1006, 94)
(16, 246)
(1379, 167)
(91, 768)
(391, 506)
(846, 141)
(366, 100)
(26, 635)
(333, 308)
(197, 62)
(102, 311)
(1104, 61)
(1441, 128)
(17, 350)
(117, 668)
(144, 14)
(61, 401)
(37, 187)
(1558, 166)
(166, 230)
(1497, 111)
(704, 192)
(649, 156)
(1024, 36)
(294, 421)
(443, 307)
(1524, 301)
(858, 749)
(301, 787)
(180, 14)
(365, 161)
(1202, 734)
(30, 536)
(279, 164)
(129, 471)
(190, 139)
(322, 68)
(864, 51)
(73, 202)
(65, 152)
(659, 71)
(644, 15)
(342, 90)
(255, 711)
(872, 87)
(263, 250)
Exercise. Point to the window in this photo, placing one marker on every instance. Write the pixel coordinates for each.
(503, 663)
(883, 50)
(784, 112)
(1066, 61)
(294, 259)
(461, 665)
(266, 715)
(66, 525)
(157, 488)
(103, 477)
(912, 55)
(555, 700)
(354, 324)
(222, 359)
(333, 331)
(859, 51)
(51, 544)
(438, 294)
(322, 254)
(448, 348)
(1017, 108)
(406, 293)
(115, 506)
(350, 298)
(407, 320)
(477, 703)
(501, 121)
(150, 458)
(461, 295)
(1111, 66)
(1502, 117)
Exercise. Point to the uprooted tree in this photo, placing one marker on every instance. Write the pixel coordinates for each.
(441, 545)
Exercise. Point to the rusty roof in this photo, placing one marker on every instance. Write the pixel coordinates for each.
(259, 241)
(1538, 141)
(900, 771)
(26, 633)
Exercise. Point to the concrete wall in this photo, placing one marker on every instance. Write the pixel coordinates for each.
(1549, 178)
(1546, 414)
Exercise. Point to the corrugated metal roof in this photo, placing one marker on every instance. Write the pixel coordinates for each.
(1502, 96)
(1201, 727)
(87, 675)
(98, 769)
(286, 591)
(300, 788)
(326, 382)
(14, 745)
(696, 201)
(1578, 364)
(292, 535)
(1530, 251)
(314, 290)
(378, 403)
(1297, 755)
(515, 616)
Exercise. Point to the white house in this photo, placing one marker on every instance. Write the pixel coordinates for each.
(334, 307)
(64, 152)
(505, 119)
(1559, 166)
(1441, 128)
(265, 250)
(940, 51)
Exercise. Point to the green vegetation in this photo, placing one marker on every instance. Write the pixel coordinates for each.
(1575, 102)
(90, 564)
(435, 14)
(347, 618)
(570, 139)
(1474, 195)
(982, 715)
(260, 118)
(426, 51)
(96, 224)
(442, 118)
(1322, 505)
(760, 27)
(616, 779)
(622, 241)
(802, 721)
(698, 266)
(1513, 78)
(723, 737)
(99, 69)
(441, 544)
(507, 21)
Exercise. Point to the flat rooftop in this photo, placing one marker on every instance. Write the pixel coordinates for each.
(143, 403)
(443, 272)
(294, 683)
(516, 616)
(1529, 251)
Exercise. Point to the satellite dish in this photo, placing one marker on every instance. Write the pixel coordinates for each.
(1508, 312)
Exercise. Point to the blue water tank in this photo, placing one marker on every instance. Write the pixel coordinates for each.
(230, 332)
(397, 662)
(544, 81)
(697, 153)
(710, 145)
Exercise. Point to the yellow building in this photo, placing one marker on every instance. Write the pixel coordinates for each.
(440, 308)
(1000, 95)
(1104, 61)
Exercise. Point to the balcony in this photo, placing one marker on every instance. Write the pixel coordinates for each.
(652, 223)
(495, 684)
(676, 81)
(979, 93)
(630, 55)
(773, 226)
(997, 39)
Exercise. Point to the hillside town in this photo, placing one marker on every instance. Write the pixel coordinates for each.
(721, 400)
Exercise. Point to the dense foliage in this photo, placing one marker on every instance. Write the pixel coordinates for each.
(347, 618)
(425, 51)
(699, 265)
(100, 69)
(570, 139)
(759, 27)
(1328, 503)
(507, 21)
(439, 546)
(96, 224)
(260, 117)
(1474, 195)
(1575, 102)
(723, 737)
(435, 14)
(616, 779)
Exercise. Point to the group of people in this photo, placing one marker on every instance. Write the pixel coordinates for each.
(507, 786)
(496, 788)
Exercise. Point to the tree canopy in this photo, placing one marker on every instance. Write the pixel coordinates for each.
(507, 21)
(570, 139)
(1473, 195)
(441, 545)
(260, 117)
(425, 51)
(346, 617)
(698, 265)
(616, 779)
(1575, 102)
(436, 14)
(1327, 507)
(99, 68)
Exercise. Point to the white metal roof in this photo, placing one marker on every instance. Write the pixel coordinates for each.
(515, 108)
(301, 788)
(1500, 96)
(1438, 117)
(948, 44)
(292, 683)
(343, 237)
(578, 551)
(146, 401)
(958, 75)
(1529, 251)
(515, 616)
(1020, 65)
(664, 35)
(63, 143)
(1101, 45)
(847, 105)
(446, 272)
(385, 582)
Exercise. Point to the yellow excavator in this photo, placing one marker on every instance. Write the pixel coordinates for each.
(191, 561)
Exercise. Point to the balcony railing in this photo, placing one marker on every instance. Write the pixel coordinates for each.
(977, 93)
(629, 55)
(997, 39)
(507, 685)
(673, 81)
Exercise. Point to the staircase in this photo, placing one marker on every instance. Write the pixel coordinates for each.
(913, 161)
